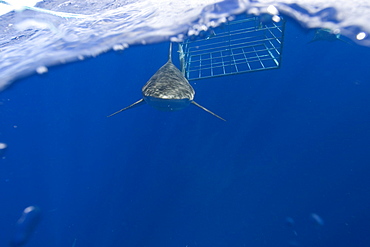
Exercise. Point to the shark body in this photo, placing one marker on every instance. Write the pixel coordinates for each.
(167, 90)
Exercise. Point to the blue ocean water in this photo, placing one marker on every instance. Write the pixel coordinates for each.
(289, 167)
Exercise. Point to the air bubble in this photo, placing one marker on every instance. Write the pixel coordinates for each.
(276, 18)
(41, 70)
(3, 147)
(25, 226)
(272, 10)
(361, 36)
(118, 47)
(317, 219)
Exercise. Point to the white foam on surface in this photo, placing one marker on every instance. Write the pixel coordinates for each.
(36, 33)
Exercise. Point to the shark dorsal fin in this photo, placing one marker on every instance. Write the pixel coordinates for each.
(170, 53)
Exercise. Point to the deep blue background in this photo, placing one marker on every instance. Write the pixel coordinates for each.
(296, 142)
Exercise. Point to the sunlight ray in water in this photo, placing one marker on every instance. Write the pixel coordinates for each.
(38, 33)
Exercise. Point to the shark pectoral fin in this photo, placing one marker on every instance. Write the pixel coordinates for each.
(311, 41)
(195, 103)
(345, 41)
(137, 103)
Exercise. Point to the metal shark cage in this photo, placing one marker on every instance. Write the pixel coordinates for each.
(245, 44)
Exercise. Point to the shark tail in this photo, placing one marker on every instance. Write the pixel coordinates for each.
(137, 103)
(202, 107)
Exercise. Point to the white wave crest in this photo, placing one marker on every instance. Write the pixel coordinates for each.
(39, 33)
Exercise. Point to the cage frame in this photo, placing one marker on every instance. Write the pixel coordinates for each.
(237, 48)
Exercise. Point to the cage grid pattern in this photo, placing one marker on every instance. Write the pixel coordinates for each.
(239, 46)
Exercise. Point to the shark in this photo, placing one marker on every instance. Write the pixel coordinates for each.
(326, 34)
(167, 90)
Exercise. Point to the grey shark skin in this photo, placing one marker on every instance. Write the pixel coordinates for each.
(167, 90)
